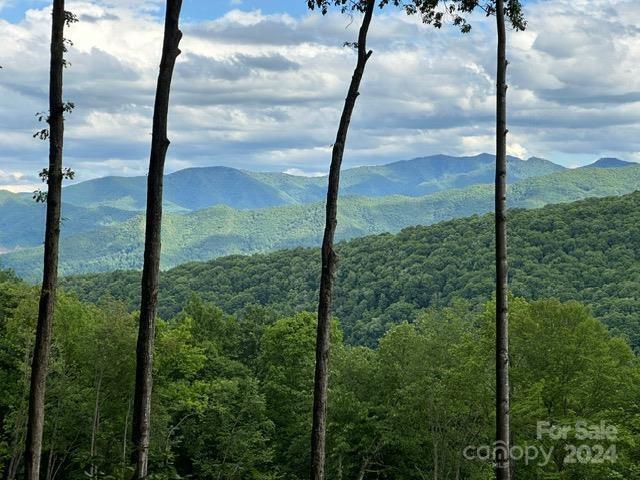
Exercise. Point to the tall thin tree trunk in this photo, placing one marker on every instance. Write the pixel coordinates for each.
(151, 269)
(93, 469)
(40, 363)
(51, 457)
(502, 308)
(318, 434)
(20, 422)
(436, 463)
(363, 469)
(50, 465)
(125, 435)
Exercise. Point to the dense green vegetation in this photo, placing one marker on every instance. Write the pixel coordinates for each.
(232, 395)
(583, 251)
(219, 231)
(198, 188)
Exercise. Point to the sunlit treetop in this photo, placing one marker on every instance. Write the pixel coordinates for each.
(433, 12)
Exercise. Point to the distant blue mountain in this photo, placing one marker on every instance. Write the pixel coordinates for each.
(610, 163)
(197, 188)
(22, 220)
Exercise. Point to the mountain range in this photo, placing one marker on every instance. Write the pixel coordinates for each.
(197, 188)
(219, 211)
(108, 201)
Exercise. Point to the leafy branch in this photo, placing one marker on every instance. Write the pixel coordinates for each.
(41, 196)
(43, 117)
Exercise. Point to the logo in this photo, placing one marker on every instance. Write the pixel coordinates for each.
(581, 443)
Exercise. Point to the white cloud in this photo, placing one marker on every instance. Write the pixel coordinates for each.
(19, 188)
(301, 173)
(16, 181)
(265, 91)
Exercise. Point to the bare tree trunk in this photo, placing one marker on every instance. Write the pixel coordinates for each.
(125, 435)
(50, 465)
(93, 469)
(12, 469)
(51, 457)
(20, 423)
(457, 468)
(151, 269)
(16, 446)
(363, 469)
(502, 308)
(40, 363)
(318, 434)
(436, 465)
(17, 451)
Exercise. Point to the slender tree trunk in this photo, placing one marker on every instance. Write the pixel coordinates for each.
(56, 470)
(12, 469)
(318, 434)
(502, 309)
(51, 457)
(363, 469)
(50, 465)
(93, 469)
(125, 435)
(436, 464)
(16, 456)
(20, 423)
(151, 269)
(40, 363)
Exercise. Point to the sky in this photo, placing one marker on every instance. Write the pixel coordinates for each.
(261, 83)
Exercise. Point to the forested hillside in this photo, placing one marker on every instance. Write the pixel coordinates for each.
(220, 231)
(583, 251)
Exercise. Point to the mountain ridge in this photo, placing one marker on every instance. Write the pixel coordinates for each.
(110, 200)
(222, 230)
(200, 187)
(610, 162)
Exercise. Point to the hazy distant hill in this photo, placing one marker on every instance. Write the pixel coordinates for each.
(22, 220)
(610, 163)
(197, 188)
(185, 190)
(221, 230)
(110, 200)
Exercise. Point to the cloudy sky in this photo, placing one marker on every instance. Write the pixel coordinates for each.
(261, 83)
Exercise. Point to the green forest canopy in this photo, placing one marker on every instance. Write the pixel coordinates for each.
(584, 251)
(232, 396)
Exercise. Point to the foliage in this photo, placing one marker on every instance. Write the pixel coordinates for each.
(583, 251)
(233, 394)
